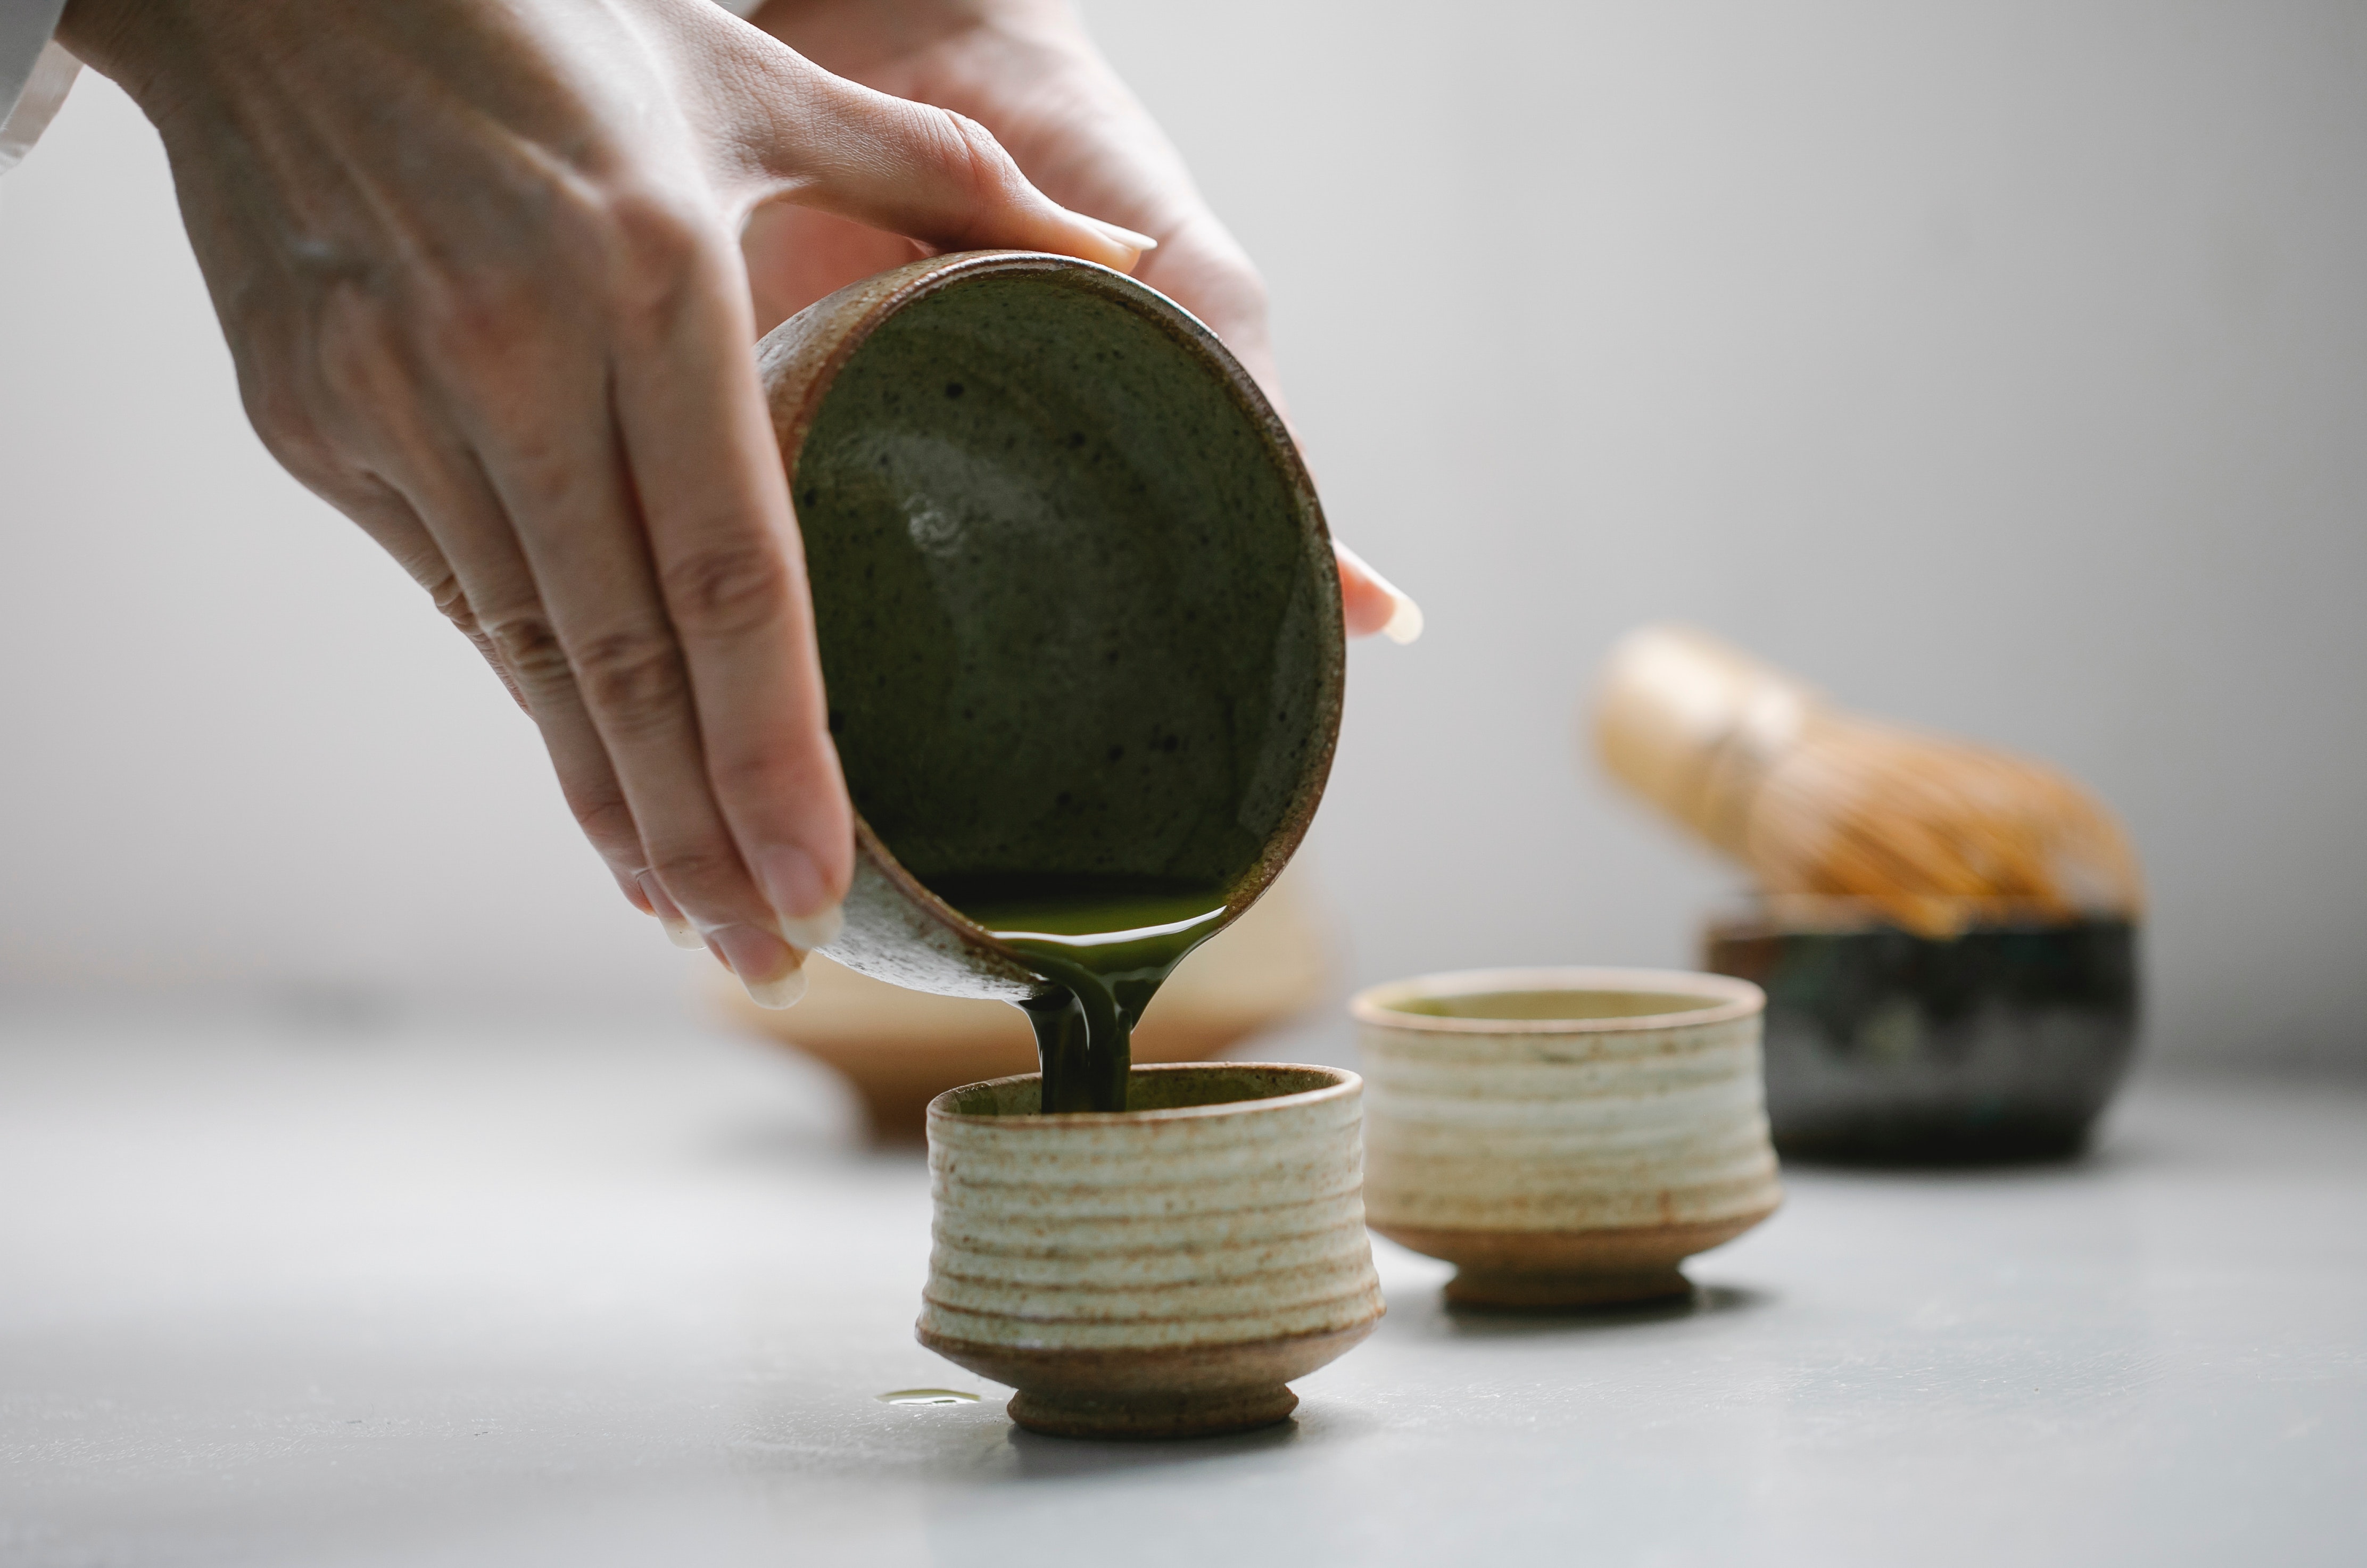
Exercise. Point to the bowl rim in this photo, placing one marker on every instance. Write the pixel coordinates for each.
(1850, 914)
(1725, 998)
(858, 310)
(1345, 1084)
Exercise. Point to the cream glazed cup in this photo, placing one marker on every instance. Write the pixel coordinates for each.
(1162, 1271)
(1564, 1137)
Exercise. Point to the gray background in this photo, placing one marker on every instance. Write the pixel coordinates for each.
(2003, 369)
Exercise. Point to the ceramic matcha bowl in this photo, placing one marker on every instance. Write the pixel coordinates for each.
(2003, 1039)
(1163, 1271)
(1076, 603)
(1564, 1137)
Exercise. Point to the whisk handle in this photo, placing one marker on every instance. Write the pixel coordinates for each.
(1693, 725)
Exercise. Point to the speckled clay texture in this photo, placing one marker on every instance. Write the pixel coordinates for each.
(1198, 1227)
(1076, 605)
(1565, 1126)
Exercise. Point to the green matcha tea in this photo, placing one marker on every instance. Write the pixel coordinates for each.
(1109, 943)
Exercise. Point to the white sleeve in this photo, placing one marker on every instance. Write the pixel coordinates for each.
(34, 74)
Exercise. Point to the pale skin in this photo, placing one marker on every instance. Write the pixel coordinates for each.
(491, 272)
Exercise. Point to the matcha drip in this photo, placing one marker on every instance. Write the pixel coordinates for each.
(1108, 943)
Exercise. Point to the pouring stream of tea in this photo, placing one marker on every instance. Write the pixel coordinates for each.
(1109, 944)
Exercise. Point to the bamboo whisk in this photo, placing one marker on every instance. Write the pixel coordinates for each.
(1815, 800)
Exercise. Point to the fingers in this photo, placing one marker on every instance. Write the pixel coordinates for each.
(514, 620)
(454, 312)
(394, 470)
(1081, 132)
(1374, 604)
(909, 168)
(389, 519)
(470, 560)
(605, 644)
(727, 561)
(1202, 267)
(514, 496)
(586, 781)
(1204, 270)
(796, 255)
(646, 593)
(505, 602)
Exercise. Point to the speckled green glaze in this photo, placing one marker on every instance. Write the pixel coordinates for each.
(1076, 602)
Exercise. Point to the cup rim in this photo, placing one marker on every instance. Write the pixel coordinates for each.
(1343, 1084)
(1725, 999)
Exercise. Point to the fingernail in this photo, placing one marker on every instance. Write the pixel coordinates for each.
(633, 892)
(678, 931)
(814, 930)
(784, 992)
(806, 915)
(1404, 623)
(770, 968)
(1121, 236)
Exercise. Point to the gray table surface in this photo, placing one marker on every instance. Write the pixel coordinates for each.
(272, 1293)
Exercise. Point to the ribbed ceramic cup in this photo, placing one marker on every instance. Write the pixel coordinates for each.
(1564, 1137)
(1158, 1272)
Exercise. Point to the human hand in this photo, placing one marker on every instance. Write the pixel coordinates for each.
(1026, 69)
(477, 265)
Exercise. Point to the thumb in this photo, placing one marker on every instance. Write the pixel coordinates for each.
(940, 178)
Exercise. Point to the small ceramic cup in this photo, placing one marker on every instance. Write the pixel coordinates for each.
(1075, 600)
(1564, 1137)
(1158, 1272)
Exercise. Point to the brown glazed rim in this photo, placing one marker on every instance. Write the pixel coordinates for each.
(1723, 999)
(1343, 1084)
(917, 281)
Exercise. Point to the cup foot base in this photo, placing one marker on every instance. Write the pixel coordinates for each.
(1184, 1390)
(1614, 1266)
(1206, 1416)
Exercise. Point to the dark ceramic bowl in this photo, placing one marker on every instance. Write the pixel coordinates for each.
(1077, 606)
(2002, 1042)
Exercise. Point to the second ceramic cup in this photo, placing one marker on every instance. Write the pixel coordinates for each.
(1564, 1137)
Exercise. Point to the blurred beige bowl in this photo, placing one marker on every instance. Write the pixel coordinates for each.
(1564, 1137)
(1158, 1272)
(899, 1049)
